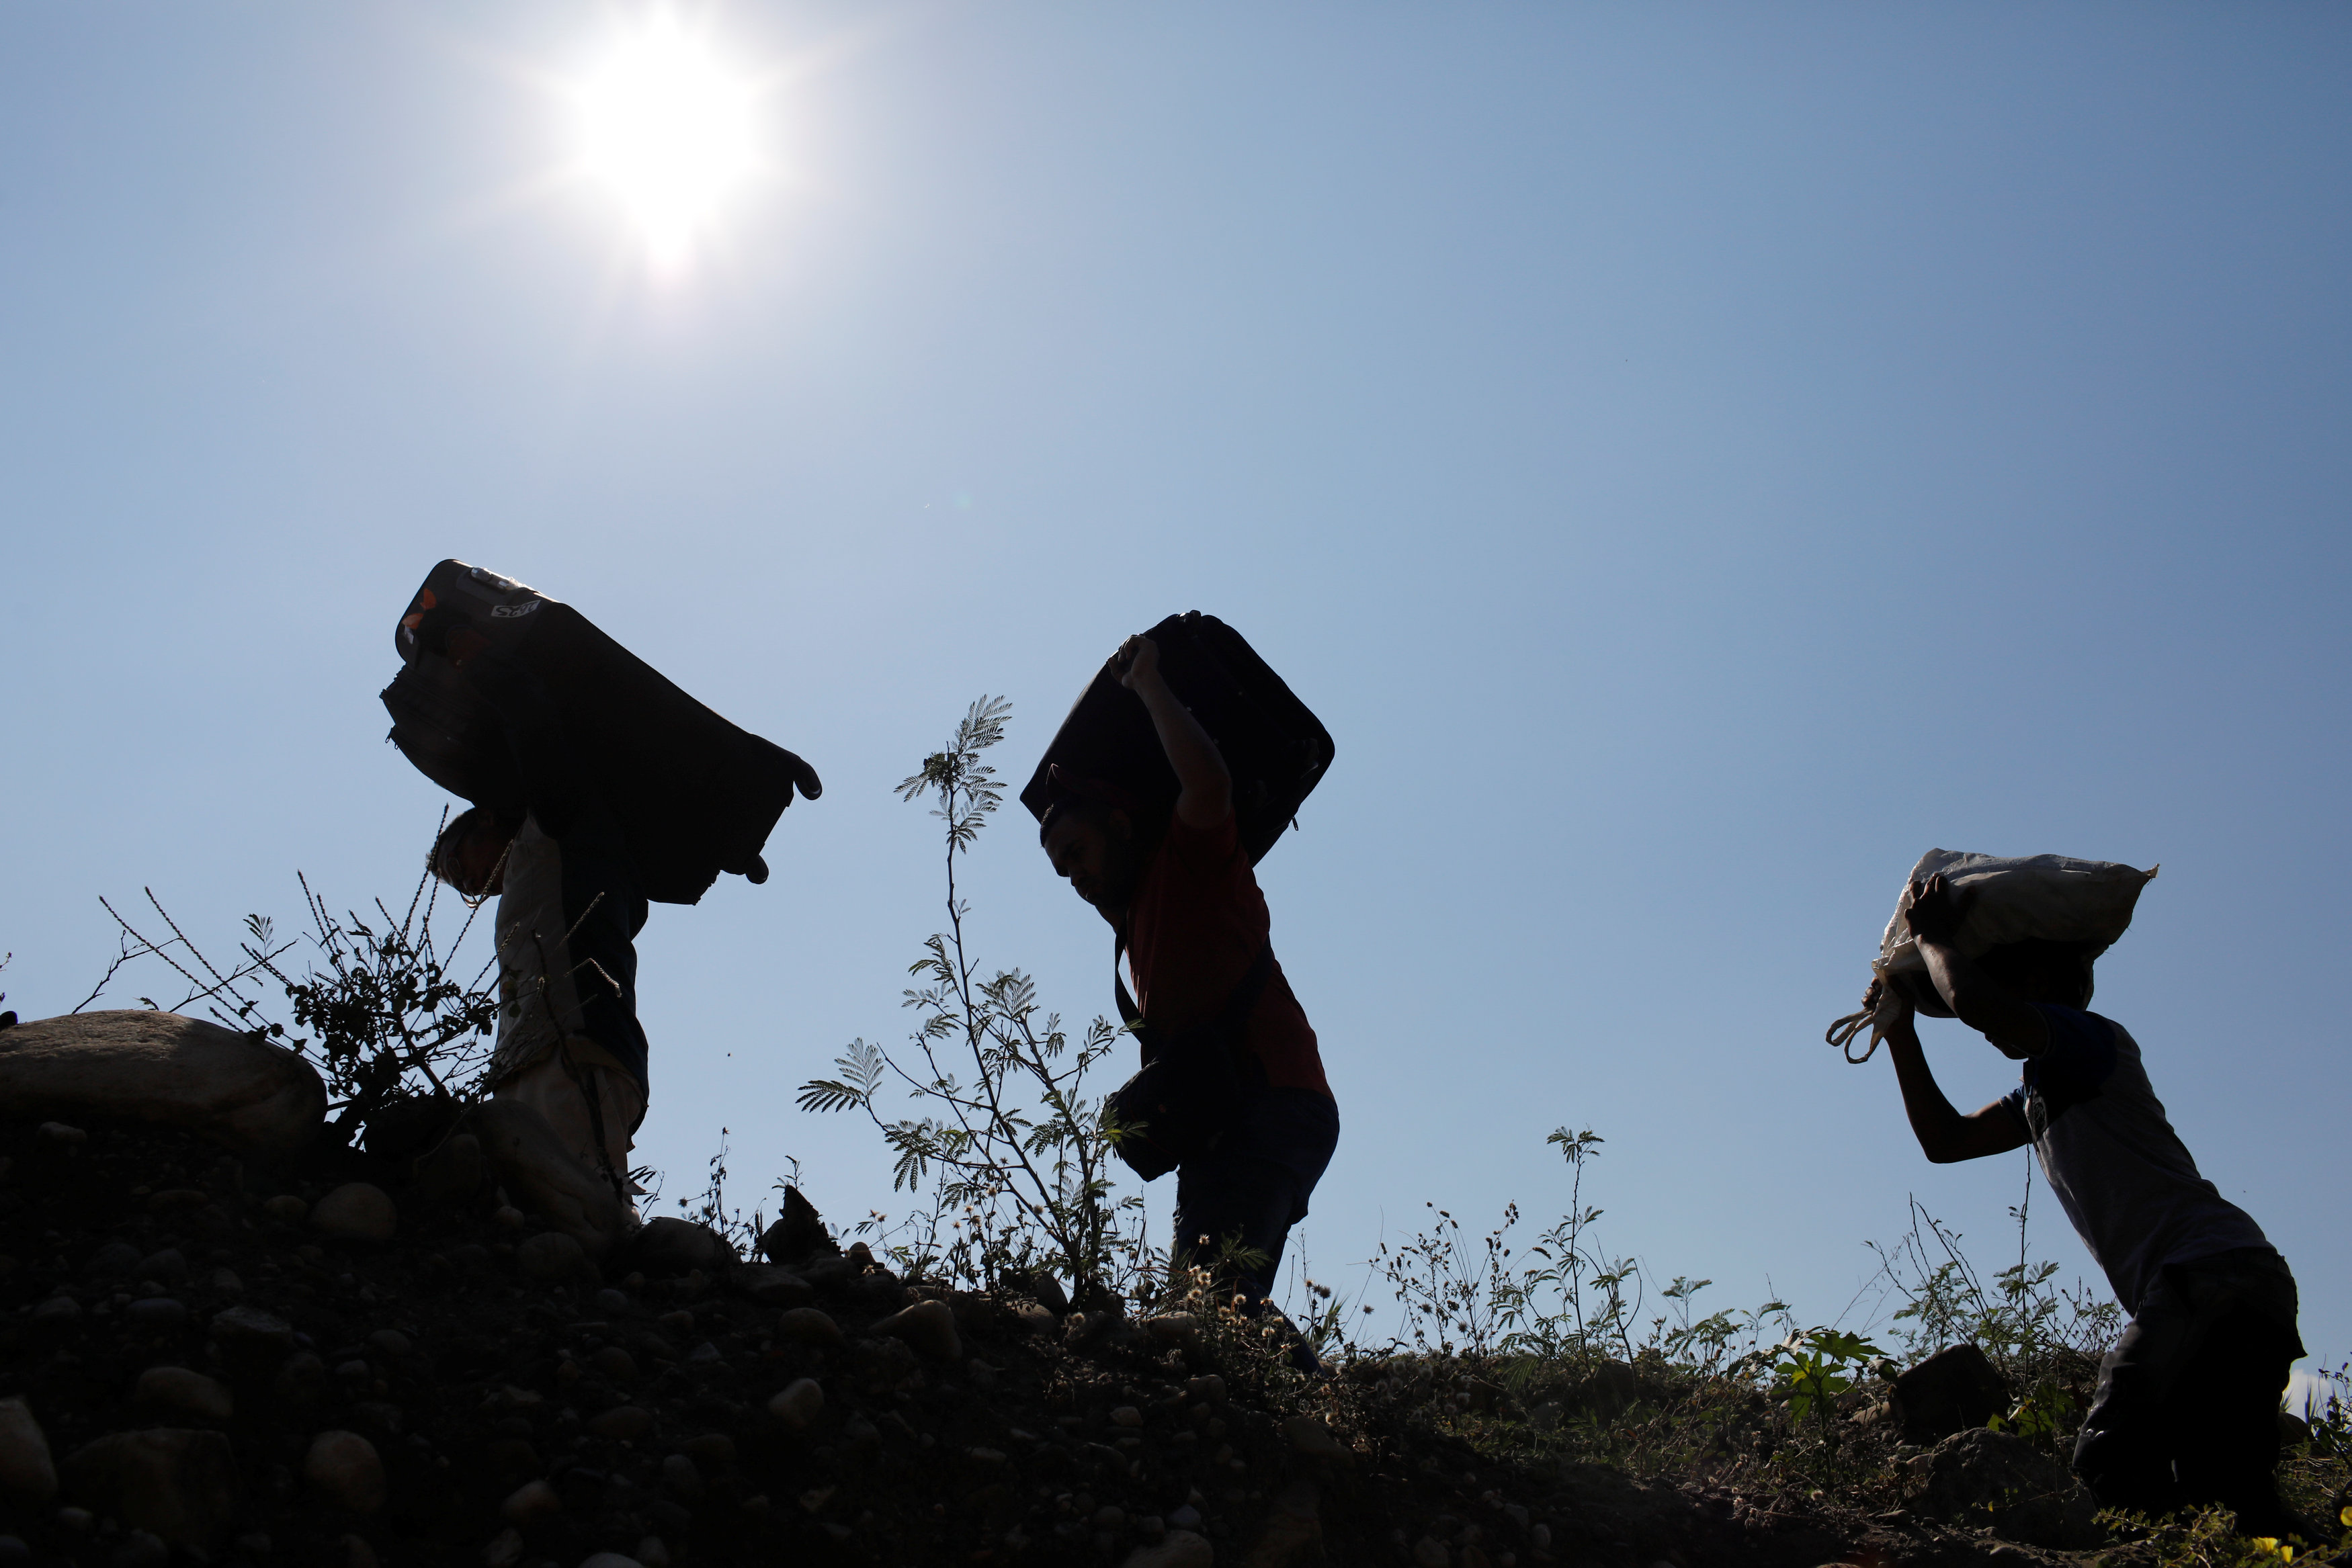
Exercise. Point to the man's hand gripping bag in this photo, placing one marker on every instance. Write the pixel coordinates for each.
(2030, 898)
(695, 795)
(1275, 749)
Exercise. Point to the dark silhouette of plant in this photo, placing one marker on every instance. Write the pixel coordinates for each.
(391, 1023)
(1022, 1154)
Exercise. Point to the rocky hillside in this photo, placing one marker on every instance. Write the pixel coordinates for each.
(310, 1356)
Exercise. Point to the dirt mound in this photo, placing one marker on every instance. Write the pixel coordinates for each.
(235, 1362)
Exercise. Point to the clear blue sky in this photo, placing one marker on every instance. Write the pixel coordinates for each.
(1695, 459)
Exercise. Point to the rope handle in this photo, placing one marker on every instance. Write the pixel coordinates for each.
(1841, 1034)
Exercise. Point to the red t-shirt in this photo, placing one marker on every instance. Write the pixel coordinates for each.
(1195, 927)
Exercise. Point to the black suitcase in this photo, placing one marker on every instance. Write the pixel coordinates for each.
(695, 795)
(1275, 749)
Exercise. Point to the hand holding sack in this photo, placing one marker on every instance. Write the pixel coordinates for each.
(2002, 899)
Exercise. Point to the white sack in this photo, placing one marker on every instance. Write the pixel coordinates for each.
(2004, 899)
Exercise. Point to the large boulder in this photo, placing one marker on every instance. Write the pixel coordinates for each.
(1983, 1478)
(1953, 1390)
(136, 1065)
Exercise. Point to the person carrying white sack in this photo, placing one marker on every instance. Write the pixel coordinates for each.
(2187, 1408)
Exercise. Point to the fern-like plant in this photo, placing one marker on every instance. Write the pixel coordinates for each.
(1018, 1154)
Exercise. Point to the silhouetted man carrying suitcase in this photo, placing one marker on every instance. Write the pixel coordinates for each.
(1238, 1105)
(568, 1075)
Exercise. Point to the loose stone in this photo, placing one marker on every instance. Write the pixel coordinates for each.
(1178, 1549)
(798, 1403)
(681, 1479)
(250, 1328)
(530, 1503)
(181, 1485)
(551, 1257)
(29, 1477)
(287, 1209)
(929, 1328)
(156, 1314)
(344, 1469)
(622, 1423)
(356, 1211)
(177, 1391)
(808, 1325)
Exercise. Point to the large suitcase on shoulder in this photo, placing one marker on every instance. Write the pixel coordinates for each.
(1274, 747)
(695, 795)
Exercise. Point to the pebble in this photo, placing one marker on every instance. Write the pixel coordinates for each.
(551, 1257)
(712, 1451)
(156, 1314)
(612, 1300)
(1173, 1328)
(182, 1485)
(244, 1328)
(1178, 1549)
(225, 1282)
(610, 1560)
(114, 1259)
(177, 1391)
(1035, 1319)
(653, 1552)
(530, 1503)
(1430, 1552)
(286, 1209)
(163, 1267)
(29, 1477)
(1127, 1416)
(392, 1343)
(623, 1424)
(614, 1362)
(504, 1550)
(929, 1328)
(57, 1312)
(808, 1325)
(344, 1469)
(1185, 1517)
(681, 1479)
(353, 1551)
(508, 1218)
(798, 1403)
(141, 1548)
(773, 1287)
(356, 1211)
(14, 1552)
(60, 1136)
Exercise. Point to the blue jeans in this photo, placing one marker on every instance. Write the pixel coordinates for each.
(1253, 1186)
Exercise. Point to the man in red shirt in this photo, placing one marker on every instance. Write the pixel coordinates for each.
(1194, 927)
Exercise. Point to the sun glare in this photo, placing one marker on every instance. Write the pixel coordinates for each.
(666, 128)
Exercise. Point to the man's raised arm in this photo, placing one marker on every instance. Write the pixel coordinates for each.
(1207, 794)
(1945, 1135)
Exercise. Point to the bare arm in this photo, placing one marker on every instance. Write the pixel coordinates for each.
(1206, 795)
(1983, 1003)
(1945, 1135)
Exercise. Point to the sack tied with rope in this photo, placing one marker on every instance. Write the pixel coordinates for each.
(2004, 899)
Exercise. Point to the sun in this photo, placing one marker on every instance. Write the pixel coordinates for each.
(668, 130)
